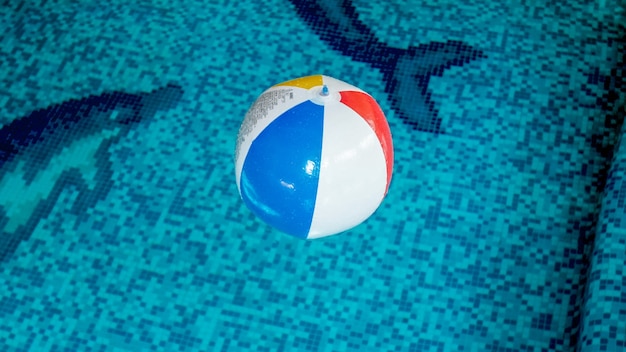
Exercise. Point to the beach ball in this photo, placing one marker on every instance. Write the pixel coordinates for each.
(313, 157)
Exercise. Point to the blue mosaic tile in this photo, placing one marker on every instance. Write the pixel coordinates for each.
(121, 228)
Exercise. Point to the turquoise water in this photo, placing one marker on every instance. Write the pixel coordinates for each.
(122, 228)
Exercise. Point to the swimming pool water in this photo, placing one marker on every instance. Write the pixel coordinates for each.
(121, 226)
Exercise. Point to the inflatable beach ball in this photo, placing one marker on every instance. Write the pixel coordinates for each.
(314, 157)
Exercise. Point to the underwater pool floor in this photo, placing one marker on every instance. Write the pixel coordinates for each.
(122, 229)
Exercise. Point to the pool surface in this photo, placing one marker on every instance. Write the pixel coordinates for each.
(121, 227)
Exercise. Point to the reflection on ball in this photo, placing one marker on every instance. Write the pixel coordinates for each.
(314, 157)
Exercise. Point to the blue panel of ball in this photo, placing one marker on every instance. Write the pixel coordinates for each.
(283, 150)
